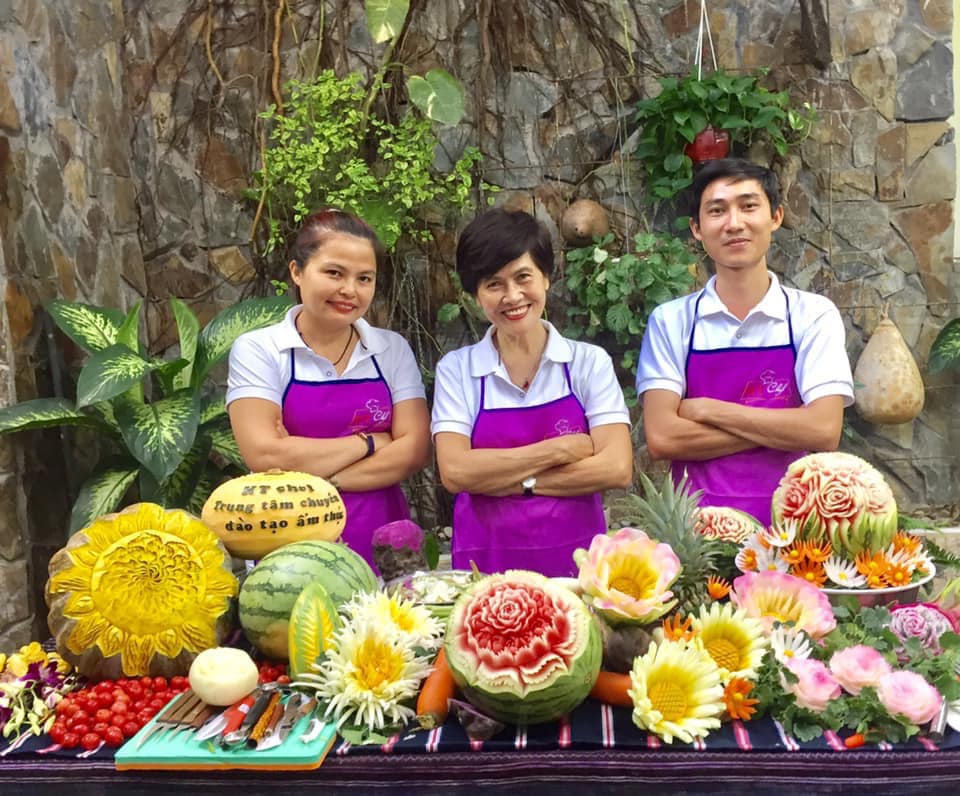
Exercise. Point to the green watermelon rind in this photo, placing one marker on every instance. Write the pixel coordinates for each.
(551, 700)
(269, 592)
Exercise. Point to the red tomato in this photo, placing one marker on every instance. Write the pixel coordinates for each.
(281, 668)
(113, 736)
(283, 679)
(67, 708)
(179, 681)
(157, 704)
(166, 695)
(104, 698)
(104, 714)
(130, 728)
(90, 740)
(146, 682)
(120, 707)
(100, 728)
(135, 690)
(80, 728)
(90, 704)
(148, 693)
(118, 719)
(119, 695)
(70, 740)
(159, 683)
(58, 732)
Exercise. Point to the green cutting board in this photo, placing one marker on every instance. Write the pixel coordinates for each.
(164, 750)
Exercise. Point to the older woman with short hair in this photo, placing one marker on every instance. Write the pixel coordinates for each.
(529, 426)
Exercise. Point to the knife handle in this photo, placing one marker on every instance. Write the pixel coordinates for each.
(235, 715)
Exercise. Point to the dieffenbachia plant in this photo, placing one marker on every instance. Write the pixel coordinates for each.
(169, 438)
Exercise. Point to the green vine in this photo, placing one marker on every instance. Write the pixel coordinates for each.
(612, 294)
(318, 155)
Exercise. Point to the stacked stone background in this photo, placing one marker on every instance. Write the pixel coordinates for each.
(124, 155)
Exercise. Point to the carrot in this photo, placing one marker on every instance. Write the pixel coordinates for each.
(612, 687)
(855, 741)
(438, 688)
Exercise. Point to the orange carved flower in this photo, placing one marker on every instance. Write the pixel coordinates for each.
(795, 553)
(810, 571)
(676, 628)
(717, 588)
(735, 698)
(818, 552)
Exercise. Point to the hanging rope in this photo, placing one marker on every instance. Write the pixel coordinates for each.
(704, 26)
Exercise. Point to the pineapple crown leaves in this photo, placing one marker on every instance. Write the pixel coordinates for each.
(668, 514)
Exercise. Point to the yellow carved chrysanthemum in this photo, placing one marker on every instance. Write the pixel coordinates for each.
(143, 582)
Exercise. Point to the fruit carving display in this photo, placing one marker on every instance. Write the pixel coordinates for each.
(269, 592)
(139, 592)
(257, 513)
(839, 498)
(313, 622)
(522, 649)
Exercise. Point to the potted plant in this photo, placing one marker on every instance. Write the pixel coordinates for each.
(721, 108)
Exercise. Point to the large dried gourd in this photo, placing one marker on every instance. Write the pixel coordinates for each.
(889, 388)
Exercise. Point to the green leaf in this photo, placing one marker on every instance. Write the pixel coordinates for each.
(217, 336)
(189, 329)
(129, 332)
(448, 312)
(385, 18)
(674, 161)
(42, 413)
(101, 493)
(431, 550)
(159, 434)
(224, 443)
(212, 408)
(167, 374)
(209, 479)
(111, 372)
(91, 328)
(945, 351)
(618, 317)
(438, 94)
(179, 488)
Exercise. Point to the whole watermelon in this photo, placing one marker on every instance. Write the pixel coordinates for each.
(522, 649)
(269, 592)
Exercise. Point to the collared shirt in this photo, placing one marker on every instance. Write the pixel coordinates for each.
(456, 399)
(819, 338)
(260, 361)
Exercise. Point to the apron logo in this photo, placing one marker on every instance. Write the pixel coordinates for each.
(371, 415)
(766, 387)
(563, 427)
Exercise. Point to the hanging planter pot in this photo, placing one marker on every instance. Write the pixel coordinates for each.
(709, 144)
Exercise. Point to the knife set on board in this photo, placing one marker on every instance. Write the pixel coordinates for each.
(272, 728)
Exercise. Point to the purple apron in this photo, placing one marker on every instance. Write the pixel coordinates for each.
(515, 531)
(762, 377)
(339, 408)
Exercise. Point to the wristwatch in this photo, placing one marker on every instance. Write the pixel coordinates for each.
(528, 484)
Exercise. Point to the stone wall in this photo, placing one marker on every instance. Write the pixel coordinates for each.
(128, 132)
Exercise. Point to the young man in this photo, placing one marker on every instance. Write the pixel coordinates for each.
(743, 377)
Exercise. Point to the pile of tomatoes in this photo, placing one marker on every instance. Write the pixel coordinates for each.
(112, 710)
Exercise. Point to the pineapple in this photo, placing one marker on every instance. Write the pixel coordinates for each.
(669, 515)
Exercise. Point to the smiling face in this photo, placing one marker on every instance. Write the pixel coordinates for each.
(337, 282)
(513, 299)
(735, 223)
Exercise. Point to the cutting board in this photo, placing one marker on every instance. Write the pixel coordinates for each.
(182, 751)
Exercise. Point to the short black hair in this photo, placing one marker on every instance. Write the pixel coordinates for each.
(736, 169)
(498, 237)
(321, 223)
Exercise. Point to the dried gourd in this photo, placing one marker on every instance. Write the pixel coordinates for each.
(889, 388)
(584, 220)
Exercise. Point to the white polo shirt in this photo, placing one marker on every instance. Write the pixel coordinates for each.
(260, 361)
(456, 399)
(818, 335)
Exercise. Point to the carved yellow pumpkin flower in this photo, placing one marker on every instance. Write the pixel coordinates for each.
(139, 592)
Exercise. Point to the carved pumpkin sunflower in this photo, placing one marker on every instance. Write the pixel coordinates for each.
(139, 592)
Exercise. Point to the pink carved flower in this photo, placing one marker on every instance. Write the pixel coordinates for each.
(772, 597)
(626, 576)
(815, 686)
(857, 667)
(907, 694)
(924, 621)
